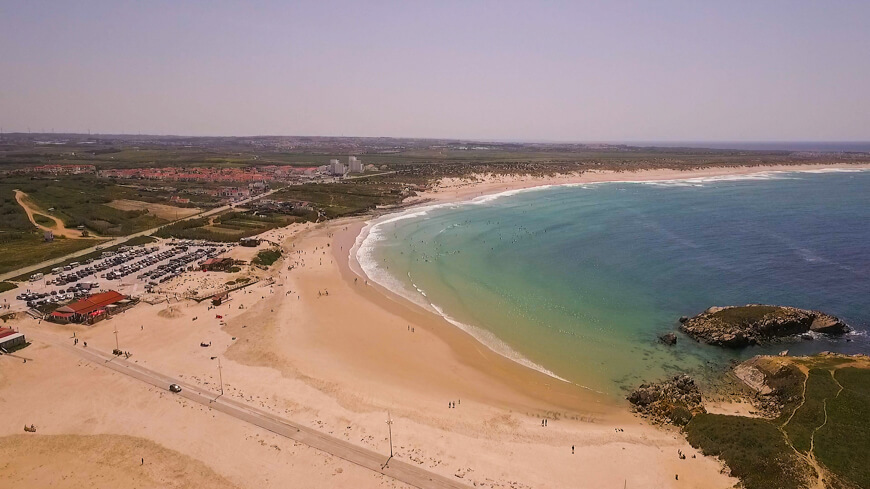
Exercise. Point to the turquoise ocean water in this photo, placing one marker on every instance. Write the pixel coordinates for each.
(578, 281)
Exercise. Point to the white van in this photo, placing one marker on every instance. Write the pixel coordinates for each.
(35, 277)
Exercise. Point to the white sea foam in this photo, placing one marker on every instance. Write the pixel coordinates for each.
(363, 250)
(375, 232)
(836, 170)
(494, 343)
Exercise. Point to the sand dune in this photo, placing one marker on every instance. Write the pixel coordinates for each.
(99, 461)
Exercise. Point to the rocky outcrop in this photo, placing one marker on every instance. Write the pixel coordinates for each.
(669, 339)
(675, 400)
(739, 326)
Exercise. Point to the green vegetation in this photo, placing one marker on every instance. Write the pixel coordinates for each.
(43, 220)
(754, 449)
(351, 197)
(30, 248)
(138, 240)
(788, 384)
(4, 286)
(744, 314)
(420, 156)
(135, 241)
(267, 257)
(843, 443)
(15, 223)
(80, 201)
(828, 418)
(820, 385)
(227, 227)
(76, 200)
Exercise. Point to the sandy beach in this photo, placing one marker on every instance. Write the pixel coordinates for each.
(457, 189)
(318, 344)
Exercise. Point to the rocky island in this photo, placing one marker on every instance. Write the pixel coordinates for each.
(739, 326)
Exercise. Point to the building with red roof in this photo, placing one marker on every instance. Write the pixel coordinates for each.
(92, 308)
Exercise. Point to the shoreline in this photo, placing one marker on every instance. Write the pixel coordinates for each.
(456, 190)
(341, 363)
(478, 190)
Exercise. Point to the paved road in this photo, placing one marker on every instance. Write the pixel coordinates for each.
(357, 177)
(124, 239)
(377, 462)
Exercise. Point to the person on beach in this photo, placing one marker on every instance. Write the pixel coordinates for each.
(572, 449)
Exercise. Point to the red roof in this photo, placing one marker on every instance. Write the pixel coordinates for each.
(4, 332)
(92, 303)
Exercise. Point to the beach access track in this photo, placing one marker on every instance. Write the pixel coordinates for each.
(363, 457)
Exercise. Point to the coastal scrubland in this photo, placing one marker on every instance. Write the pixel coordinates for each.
(348, 198)
(267, 257)
(820, 433)
(226, 227)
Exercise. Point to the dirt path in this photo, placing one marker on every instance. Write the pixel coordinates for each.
(825, 408)
(59, 229)
(809, 458)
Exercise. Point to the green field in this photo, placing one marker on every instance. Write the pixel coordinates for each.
(744, 314)
(30, 249)
(344, 199)
(754, 449)
(76, 200)
(820, 386)
(227, 227)
(80, 201)
(43, 220)
(843, 443)
(830, 421)
(21, 244)
(267, 257)
(138, 240)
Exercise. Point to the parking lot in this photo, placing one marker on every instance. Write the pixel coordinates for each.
(129, 270)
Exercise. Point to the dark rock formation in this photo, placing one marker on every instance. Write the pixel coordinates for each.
(669, 339)
(739, 326)
(675, 400)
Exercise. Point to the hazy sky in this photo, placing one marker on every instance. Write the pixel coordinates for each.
(572, 71)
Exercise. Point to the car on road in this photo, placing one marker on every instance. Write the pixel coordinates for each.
(175, 388)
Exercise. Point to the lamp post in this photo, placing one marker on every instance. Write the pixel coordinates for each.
(117, 345)
(220, 375)
(390, 428)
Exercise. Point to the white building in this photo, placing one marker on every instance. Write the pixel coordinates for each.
(336, 168)
(354, 164)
